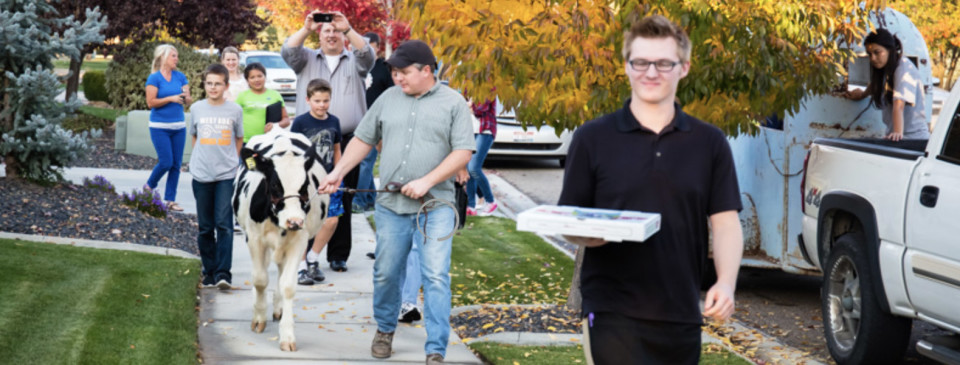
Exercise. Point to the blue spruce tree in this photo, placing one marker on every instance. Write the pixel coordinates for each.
(32, 142)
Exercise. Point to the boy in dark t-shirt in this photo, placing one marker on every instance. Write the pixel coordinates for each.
(323, 129)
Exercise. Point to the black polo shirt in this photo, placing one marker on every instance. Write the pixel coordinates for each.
(686, 173)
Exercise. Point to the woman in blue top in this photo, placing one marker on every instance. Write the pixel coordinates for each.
(167, 93)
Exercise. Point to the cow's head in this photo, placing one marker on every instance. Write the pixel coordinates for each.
(282, 164)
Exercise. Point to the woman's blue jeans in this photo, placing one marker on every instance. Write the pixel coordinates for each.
(475, 168)
(169, 146)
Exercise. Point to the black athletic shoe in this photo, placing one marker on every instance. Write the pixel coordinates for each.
(314, 272)
(371, 255)
(208, 281)
(338, 265)
(409, 313)
(223, 283)
(304, 279)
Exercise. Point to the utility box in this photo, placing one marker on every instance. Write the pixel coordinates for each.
(138, 140)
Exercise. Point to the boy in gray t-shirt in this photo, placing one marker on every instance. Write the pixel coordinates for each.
(216, 126)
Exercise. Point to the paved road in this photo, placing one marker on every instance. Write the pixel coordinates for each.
(782, 305)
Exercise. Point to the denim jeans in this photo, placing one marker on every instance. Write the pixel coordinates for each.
(366, 200)
(475, 168)
(169, 146)
(396, 233)
(412, 281)
(215, 218)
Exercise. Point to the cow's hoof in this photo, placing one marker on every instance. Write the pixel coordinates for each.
(288, 346)
(277, 316)
(258, 326)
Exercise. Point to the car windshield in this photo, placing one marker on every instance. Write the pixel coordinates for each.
(268, 61)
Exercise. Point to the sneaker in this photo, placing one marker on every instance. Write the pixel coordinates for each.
(471, 212)
(314, 272)
(208, 281)
(223, 283)
(382, 346)
(487, 209)
(304, 279)
(356, 209)
(434, 359)
(409, 313)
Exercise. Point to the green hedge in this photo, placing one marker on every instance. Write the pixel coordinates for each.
(94, 88)
(127, 74)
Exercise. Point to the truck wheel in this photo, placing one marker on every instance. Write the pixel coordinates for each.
(857, 330)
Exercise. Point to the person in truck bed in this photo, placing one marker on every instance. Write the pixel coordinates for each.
(895, 88)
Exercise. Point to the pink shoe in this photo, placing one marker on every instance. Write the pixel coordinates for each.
(487, 209)
(471, 212)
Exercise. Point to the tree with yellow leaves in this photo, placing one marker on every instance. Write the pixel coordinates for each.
(939, 23)
(558, 62)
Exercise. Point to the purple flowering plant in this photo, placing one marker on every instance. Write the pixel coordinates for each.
(99, 183)
(147, 201)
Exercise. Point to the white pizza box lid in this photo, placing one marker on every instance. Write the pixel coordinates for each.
(610, 225)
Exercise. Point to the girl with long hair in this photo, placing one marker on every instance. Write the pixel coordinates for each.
(895, 88)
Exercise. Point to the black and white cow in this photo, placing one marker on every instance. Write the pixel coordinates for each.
(276, 204)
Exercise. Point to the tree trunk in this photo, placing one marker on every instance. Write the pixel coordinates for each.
(574, 299)
(6, 123)
(951, 69)
(12, 166)
(73, 82)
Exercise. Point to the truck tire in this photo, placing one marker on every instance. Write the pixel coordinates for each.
(856, 328)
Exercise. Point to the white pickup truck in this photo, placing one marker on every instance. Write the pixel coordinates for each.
(882, 221)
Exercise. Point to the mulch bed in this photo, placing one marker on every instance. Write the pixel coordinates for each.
(104, 156)
(68, 210)
(541, 319)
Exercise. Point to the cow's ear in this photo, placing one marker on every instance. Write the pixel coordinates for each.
(252, 159)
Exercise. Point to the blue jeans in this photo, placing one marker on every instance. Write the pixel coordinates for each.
(412, 281)
(396, 233)
(169, 146)
(366, 200)
(215, 218)
(475, 168)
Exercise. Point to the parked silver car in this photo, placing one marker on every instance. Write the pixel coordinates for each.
(280, 77)
(514, 142)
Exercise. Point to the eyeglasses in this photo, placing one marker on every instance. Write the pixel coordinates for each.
(214, 84)
(641, 65)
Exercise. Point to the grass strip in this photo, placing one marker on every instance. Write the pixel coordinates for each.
(495, 353)
(66, 304)
(105, 113)
(96, 64)
(493, 263)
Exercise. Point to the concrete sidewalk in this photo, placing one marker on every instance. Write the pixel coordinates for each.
(334, 321)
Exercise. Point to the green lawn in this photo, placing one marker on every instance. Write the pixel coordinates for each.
(492, 263)
(69, 305)
(96, 64)
(105, 113)
(497, 354)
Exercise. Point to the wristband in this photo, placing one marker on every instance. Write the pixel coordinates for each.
(347, 31)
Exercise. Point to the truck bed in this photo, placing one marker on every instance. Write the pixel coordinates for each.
(907, 149)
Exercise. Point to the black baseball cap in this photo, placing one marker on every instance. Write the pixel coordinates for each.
(410, 52)
(372, 37)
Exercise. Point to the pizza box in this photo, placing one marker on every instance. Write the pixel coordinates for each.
(610, 225)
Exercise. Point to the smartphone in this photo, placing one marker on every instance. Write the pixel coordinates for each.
(322, 18)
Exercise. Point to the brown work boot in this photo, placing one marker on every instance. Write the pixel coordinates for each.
(382, 346)
(434, 359)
